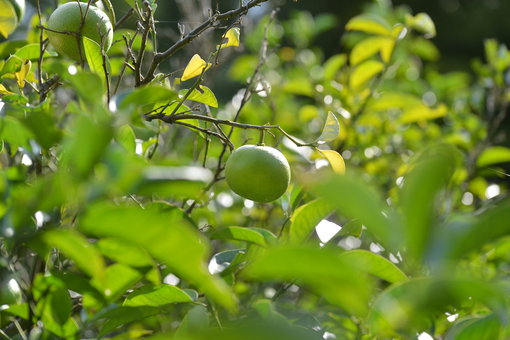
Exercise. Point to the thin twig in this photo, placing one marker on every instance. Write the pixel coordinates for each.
(162, 56)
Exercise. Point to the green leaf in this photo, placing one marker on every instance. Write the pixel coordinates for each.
(369, 24)
(370, 46)
(121, 316)
(85, 148)
(167, 236)
(482, 328)
(127, 138)
(117, 280)
(202, 94)
(465, 234)
(124, 252)
(430, 174)
(8, 18)
(422, 113)
(357, 200)
(12, 65)
(148, 94)
(156, 296)
(494, 155)
(321, 269)
(251, 235)
(43, 126)
(31, 52)
(333, 65)
(409, 306)
(422, 23)
(195, 321)
(77, 248)
(90, 87)
(364, 73)
(331, 129)
(374, 264)
(305, 218)
(94, 57)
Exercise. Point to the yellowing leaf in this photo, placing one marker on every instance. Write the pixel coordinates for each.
(422, 112)
(335, 160)
(370, 46)
(422, 23)
(368, 24)
(195, 67)
(4, 91)
(8, 18)
(22, 74)
(232, 37)
(331, 129)
(364, 72)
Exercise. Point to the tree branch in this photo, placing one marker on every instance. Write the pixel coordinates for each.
(162, 56)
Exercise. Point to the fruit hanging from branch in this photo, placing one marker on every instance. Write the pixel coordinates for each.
(72, 21)
(259, 173)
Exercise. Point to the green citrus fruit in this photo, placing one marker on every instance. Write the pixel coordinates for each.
(258, 173)
(68, 18)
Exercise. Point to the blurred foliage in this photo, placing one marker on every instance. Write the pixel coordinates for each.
(116, 223)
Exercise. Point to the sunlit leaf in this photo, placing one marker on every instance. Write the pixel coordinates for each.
(22, 73)
(8, 18)
(94, 57)
(370, 46)
(306, 217)
(31, 52)
(202, 94)
(12, 65)
(422, 113)
(195, 67)
(335, 160)
(155, 296)
(117, 280)
(232, 37)
(375, 265)
(334, 279)
(368, 24)
(333, 65)
(4, 91)
(422, 23)
(365, 72)
(331, 129)
(494, 155)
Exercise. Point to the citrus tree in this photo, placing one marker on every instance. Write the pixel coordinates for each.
(248, 186)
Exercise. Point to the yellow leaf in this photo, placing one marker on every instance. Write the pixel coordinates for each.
(335, 160)
(370, 46)
(422, 113)
(232, 37)
(364, 72)
(4, 91)
(368, 24)
(195, 67)
(8, 18)
(23, 72)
